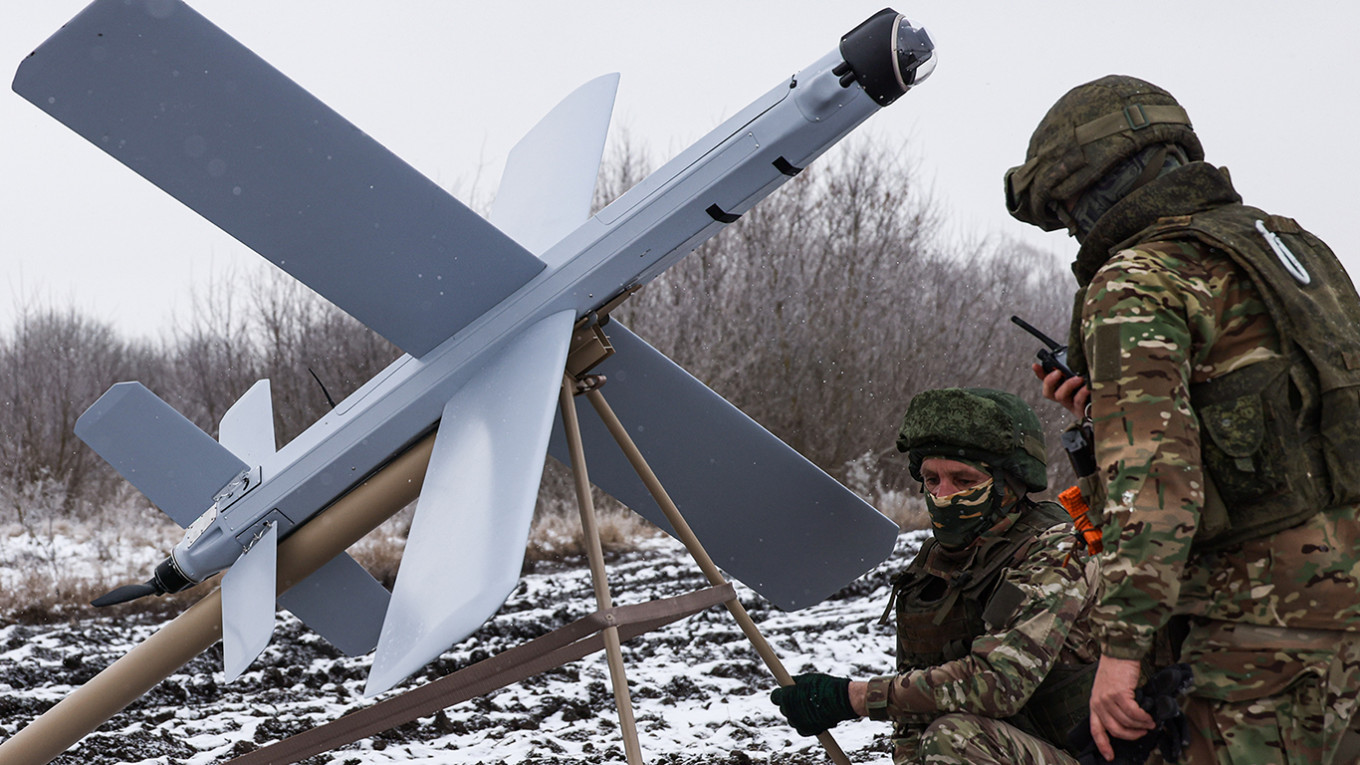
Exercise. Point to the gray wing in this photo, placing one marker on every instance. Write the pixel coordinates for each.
(763, 512)
(168, 94)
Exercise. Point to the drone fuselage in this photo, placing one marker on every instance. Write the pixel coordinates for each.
(626, 244)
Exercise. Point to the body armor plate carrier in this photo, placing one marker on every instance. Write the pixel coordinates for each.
(1280, 437)
(939, 616)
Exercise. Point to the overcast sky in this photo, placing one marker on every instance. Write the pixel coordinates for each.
(450, 86)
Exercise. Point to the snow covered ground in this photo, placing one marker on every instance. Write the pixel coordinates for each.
(700, 692)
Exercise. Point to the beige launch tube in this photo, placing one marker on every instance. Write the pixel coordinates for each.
(194, 631)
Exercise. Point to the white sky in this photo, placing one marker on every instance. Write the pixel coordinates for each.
(450, 86)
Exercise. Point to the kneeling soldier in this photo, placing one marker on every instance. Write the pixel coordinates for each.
(995, 659)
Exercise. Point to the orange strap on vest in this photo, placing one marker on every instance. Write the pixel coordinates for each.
(1075, 504)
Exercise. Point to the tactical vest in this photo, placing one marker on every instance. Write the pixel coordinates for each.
(1280, 438)
(939, 616)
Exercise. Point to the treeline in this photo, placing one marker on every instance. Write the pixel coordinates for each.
(55, 362)
(823, 311)
(819, 314)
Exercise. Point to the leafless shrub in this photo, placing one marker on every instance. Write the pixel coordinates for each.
(310, 350)
(52, 565)
(53, 364)
(905, 508)
(38, 599)
(559, 536)
(269, 326)
(557, 530)
(212, 355)
(825, 309)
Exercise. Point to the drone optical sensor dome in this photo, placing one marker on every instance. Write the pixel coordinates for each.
(886, 55)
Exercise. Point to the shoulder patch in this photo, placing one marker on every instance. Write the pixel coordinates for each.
(1106, 353)
(1003, 604)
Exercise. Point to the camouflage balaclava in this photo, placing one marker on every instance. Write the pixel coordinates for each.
(1094, 129)
(1132, 173)
(957, 519)
(991, 430)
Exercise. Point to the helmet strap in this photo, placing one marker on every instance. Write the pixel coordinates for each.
(1152, 169)
(1009, 490)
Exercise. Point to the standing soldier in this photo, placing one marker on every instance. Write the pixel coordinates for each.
(1222, 349)
(995, 658)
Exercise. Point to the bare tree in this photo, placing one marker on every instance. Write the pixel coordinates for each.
(824, 310)
(311, 350)
(56, 363)
(212, 355)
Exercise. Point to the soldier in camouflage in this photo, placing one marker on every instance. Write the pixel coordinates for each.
(1220, 351)
(995, 657)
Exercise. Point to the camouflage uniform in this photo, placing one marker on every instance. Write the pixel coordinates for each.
(1274, 620)
(1226, 477)
(994, 656)
(965, 709)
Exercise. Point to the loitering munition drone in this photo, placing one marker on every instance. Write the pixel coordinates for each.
(485, 311)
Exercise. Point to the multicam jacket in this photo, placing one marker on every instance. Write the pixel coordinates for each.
(1037, 625)
(1158, 319)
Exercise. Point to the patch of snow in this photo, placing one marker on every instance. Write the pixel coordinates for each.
(699, 691)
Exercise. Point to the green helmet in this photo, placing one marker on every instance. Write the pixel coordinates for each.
(979, 424)
(1088, 132)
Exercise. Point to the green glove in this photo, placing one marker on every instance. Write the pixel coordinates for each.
(814, 702)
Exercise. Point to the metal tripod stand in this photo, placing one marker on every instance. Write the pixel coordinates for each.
(606, 629)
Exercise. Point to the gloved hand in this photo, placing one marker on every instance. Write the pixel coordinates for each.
(1158, 697)
(814, 702)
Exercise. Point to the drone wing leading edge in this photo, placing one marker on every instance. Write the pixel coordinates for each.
(484, 311)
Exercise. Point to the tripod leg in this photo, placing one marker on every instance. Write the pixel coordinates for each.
(696, 550)
(591, 535)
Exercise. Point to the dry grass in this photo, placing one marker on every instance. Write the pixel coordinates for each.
(51, 570)
(559, 535)
(555, 536)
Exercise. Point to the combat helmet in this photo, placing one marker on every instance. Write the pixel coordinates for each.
(978, 424)
(1090, 130)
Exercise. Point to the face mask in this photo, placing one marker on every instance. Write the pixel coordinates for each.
(1133, 173)
(957, 519)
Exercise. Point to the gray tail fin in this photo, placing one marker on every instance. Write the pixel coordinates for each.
(169, 459)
